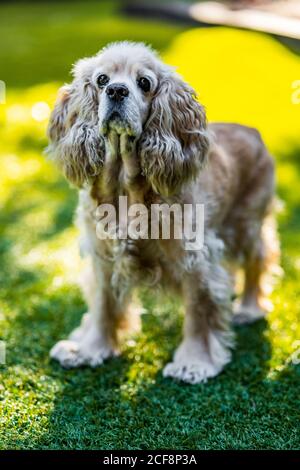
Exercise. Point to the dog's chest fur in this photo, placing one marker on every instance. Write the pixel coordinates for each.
(132, 262)
(139, 262)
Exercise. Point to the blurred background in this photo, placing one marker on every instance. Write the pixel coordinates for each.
(241, 74)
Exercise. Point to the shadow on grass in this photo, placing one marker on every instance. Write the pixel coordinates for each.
(126, 403)
(112, 408)
(242, 408)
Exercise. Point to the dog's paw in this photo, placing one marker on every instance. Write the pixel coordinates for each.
(246, 315)
(195, 363)
(191, 372)
(75, 354)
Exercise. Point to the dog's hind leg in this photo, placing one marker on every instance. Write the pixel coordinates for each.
(255, 238)
(260, 268)
(249, 309)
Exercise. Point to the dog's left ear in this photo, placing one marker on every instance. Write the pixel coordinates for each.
(175, 142)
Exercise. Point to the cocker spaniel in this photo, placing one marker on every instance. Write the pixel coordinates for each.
(128, 125)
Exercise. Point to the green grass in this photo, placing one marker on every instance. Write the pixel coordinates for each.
(126, 403)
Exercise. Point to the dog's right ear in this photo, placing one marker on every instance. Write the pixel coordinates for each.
(75, 141)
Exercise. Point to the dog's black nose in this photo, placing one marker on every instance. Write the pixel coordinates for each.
(117, 91)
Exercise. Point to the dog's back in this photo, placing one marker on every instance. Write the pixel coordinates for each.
(246, 224)
(239, 173)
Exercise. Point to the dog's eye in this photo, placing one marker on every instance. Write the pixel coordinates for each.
(102, 80)
(144, 84)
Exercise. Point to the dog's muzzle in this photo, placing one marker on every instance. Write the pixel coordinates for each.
(119, 112)
(114, 114)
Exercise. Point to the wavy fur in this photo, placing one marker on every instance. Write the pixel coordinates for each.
(158, 148)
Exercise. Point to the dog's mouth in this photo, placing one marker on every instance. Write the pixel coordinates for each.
(116, 122)
(117, 130)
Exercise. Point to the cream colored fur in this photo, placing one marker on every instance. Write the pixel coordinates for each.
(162, 150)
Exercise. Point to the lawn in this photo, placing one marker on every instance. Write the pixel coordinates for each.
(127, 404)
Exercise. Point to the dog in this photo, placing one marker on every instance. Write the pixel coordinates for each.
(129, 125)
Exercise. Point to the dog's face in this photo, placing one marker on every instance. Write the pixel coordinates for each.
(127, 90)
(125, 85)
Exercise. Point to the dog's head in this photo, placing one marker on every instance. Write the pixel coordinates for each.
(127, 90)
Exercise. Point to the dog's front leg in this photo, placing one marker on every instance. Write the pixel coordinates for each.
(96, 338)
(205, 348)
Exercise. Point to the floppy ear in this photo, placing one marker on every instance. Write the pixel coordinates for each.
(175, 142)
(75, 141)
